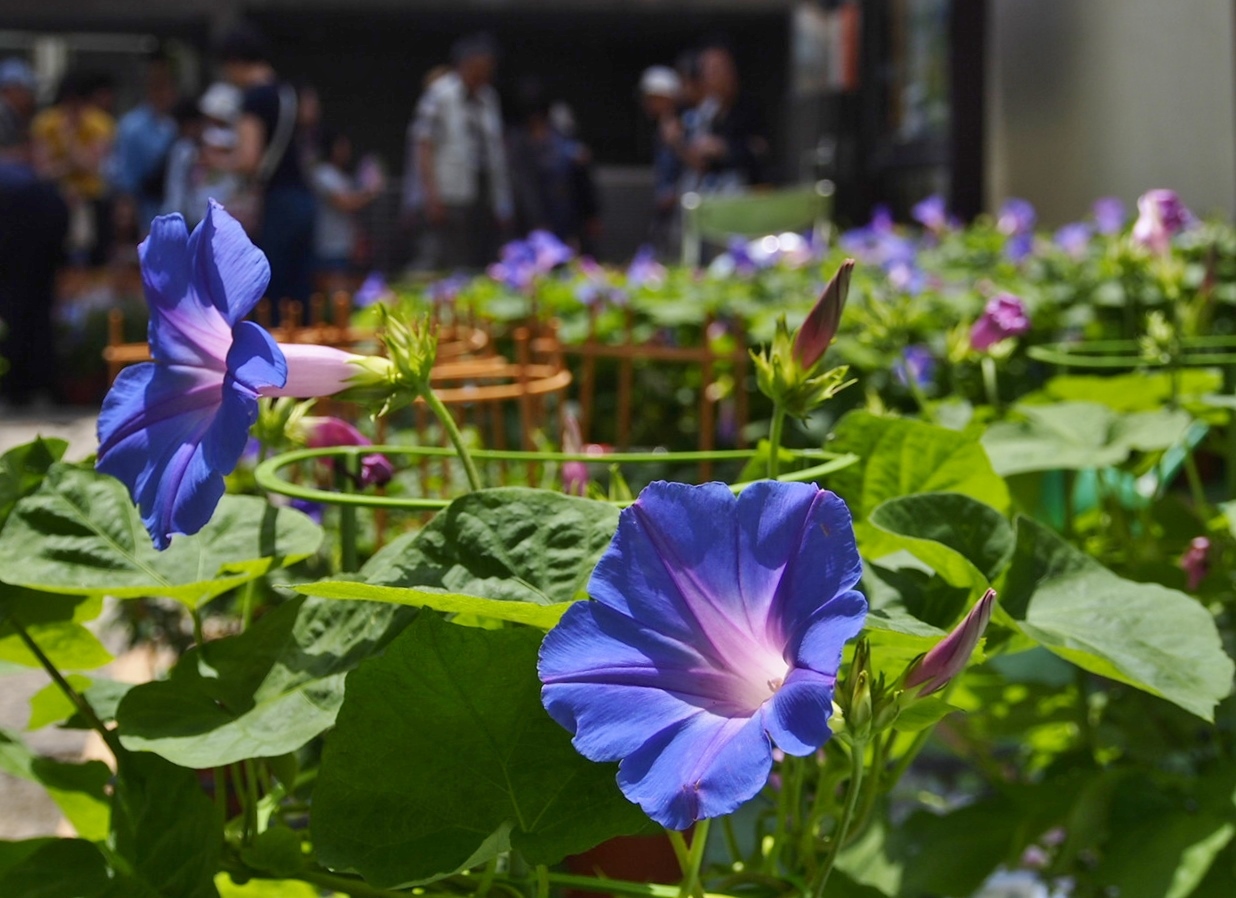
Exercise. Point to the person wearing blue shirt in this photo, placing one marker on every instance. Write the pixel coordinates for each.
(143, 138)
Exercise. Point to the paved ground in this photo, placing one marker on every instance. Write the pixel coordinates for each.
(25, 810)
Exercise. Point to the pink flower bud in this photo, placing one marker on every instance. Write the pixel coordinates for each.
(323, 432)
(822, 323)
(1004, 317)
(1195, 562)
(1160, 216)
(949, 657)
(315, 371)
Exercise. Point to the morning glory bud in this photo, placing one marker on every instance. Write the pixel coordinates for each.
(1195, 562)
(948, 658)
(818, 331)
(1160, 216)
(789, 372)
(324, 431)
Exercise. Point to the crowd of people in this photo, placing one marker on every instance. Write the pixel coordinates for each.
(79, 186)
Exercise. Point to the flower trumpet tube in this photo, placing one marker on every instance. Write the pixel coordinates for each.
(949, 657)
(715, 633)
(171, 429)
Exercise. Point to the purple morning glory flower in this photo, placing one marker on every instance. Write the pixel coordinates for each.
(1002, 318)
(523, 261)
(171, 429)
(1109, 215)
(645, 270)
(1074, 239)
(1016, 216)
(931, 213)
(917, 366)
(1161, 215)
(716, 632)
(878, 243)
(548, 251)
(373, 290)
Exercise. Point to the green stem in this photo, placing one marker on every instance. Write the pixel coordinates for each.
(251, 798)
(487, 878)
(1196, 487)
(198, 638)
(246, 604)
(731, 840)
(857, 760)
(774, 439)
(691, 874)
(447, 421)
(349, 558)
(79, 701)
(990, 385)
(354, 887)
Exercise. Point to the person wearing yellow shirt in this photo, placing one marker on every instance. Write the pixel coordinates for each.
(71, 141)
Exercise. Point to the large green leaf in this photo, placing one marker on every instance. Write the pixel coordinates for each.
(901, 457)
(512, 554)
(442, 753)
(1143, 391)
(166, 833)
(79, 533)
(516, 544)
(79, 790)
(54, 622)
(58, 868)
(1077, 435)
(23, 468)
(1143, 634)
(262, 693)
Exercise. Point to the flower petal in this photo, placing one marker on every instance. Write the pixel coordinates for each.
(612, 659)
(255, 359)
(150, 429)
(824, 563)
(704, 766)
(229, 272)
(819, 645)
(796, 717)
(183, 329)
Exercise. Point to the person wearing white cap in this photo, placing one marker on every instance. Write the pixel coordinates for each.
(660, 89)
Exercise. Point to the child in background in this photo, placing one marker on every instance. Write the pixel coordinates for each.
(341, 195)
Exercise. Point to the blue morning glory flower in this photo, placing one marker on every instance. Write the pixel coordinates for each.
(172, 428)
(716, 632)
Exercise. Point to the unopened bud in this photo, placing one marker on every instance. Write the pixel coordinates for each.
(818, 331)
(948, 658)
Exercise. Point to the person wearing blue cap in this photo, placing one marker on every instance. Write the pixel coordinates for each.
(17, 89)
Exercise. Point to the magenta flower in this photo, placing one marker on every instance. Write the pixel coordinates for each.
(948, 657)
(574, 473)
(716, 632)
(322, 432)
(1003, 317)
(1160, 216)
(1195, 562)
(172, 428)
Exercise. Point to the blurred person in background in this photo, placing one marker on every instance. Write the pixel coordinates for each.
(34, 220)
(144, 136)
(268, 157)
(726, 144)
(412, 197)
(460, 160)
(71, 140)
(18, 86)
(660, 91)
(342, 193)
(183, 178)
(550, 171)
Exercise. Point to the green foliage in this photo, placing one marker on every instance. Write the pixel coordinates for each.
(262, 693)
(443, 757)
(79, 533)
(79, 790)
